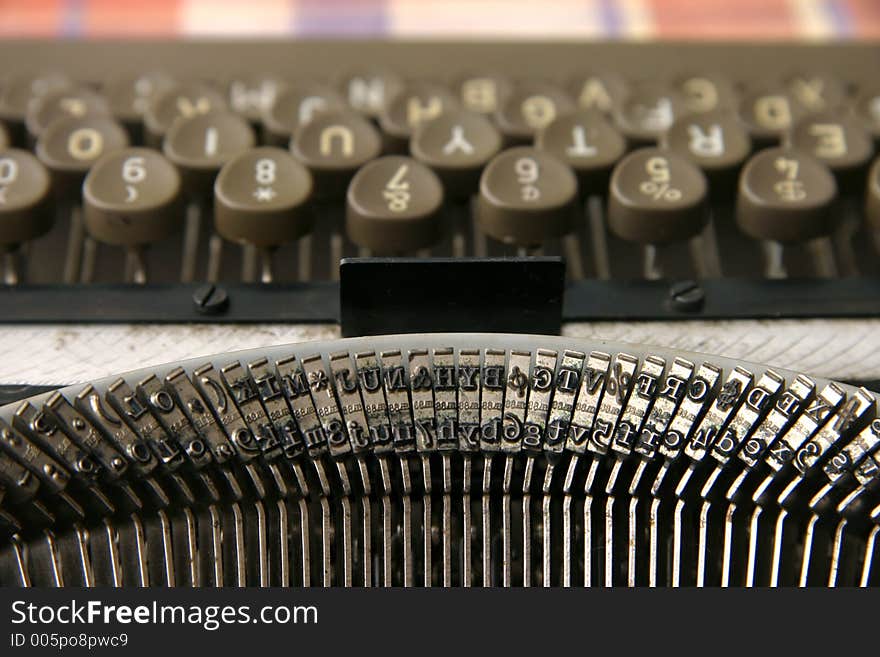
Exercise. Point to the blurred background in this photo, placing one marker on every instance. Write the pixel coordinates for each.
(630, 19)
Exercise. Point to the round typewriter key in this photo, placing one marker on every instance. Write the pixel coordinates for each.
(598, 91)
(656, 197)
(24, 192)
(131, 198)
(483, 93)
(588, 143)
(18, 92)
(715, 141)
(838, 140)
(526, 197)
(260, 198)
(392, 206)
(456, 145)
(368, 92)
(647, 112)
(785, 196)
(530, 107)
(334, 145)
(296, 105)
(70, 146)
(200, 145)
(181, 100)
(416, 103)
(767, 114)
(816, 92)
(705, 92)
(128, 96)
(65, 103)
(253, 96)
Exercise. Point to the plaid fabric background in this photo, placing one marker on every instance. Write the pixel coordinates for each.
(699, 19)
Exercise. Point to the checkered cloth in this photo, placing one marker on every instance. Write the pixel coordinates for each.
(643, 19)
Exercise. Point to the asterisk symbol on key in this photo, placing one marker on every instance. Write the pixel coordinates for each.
(265, 194)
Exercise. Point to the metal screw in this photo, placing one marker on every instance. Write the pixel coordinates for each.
(210, 299)
(687, 296)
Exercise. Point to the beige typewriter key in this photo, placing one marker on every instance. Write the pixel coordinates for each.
(260, 200)
(602, 91)
(531, 106)
(719, 145)
(784, 198)
(18, 92)
(296, 105)
(414, 104)
(457, 146)
(68, 148)
(816, 92)
(768, 114)
(199, 146)
(656, 197)
(483, 93)
(180, 100)
(705, 92)
(588, 142)
(527, 197)
(24, 213)
(647, 112)
(128, 97)
(393, 206)
(369, 91)
(77, 102)
(334, 145)
(131, 199)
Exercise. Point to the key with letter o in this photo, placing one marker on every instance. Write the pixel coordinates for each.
(526, 197)
(334, 145)
(393, 205)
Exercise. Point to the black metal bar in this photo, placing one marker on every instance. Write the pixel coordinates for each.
(319, 302)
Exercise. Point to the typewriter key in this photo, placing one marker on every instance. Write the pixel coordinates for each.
(75, 103)
(705, 92)
(483, 93)
(415, 104)
(180, 100)
(836, 139)
(131, 199)
(784, 198)
(294, 106)
(656, 197)
(588, 143)
(531, 106)
(456, 145)
(768, 113)
(252, 96)
(647, 112)
(334, 145)
(368, 92)
(128, 97)
(526, 197)
(598, 91)
(18, 92)
(24, 214)
(260, 199)
(715, 141)
(817, 92)
(392, 206)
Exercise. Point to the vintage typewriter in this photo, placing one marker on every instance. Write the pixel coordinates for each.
(701, 208)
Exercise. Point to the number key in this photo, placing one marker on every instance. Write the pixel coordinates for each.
(526, 197)
(131, 197)
(260, 198)
(392, 206)
(24, 195)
